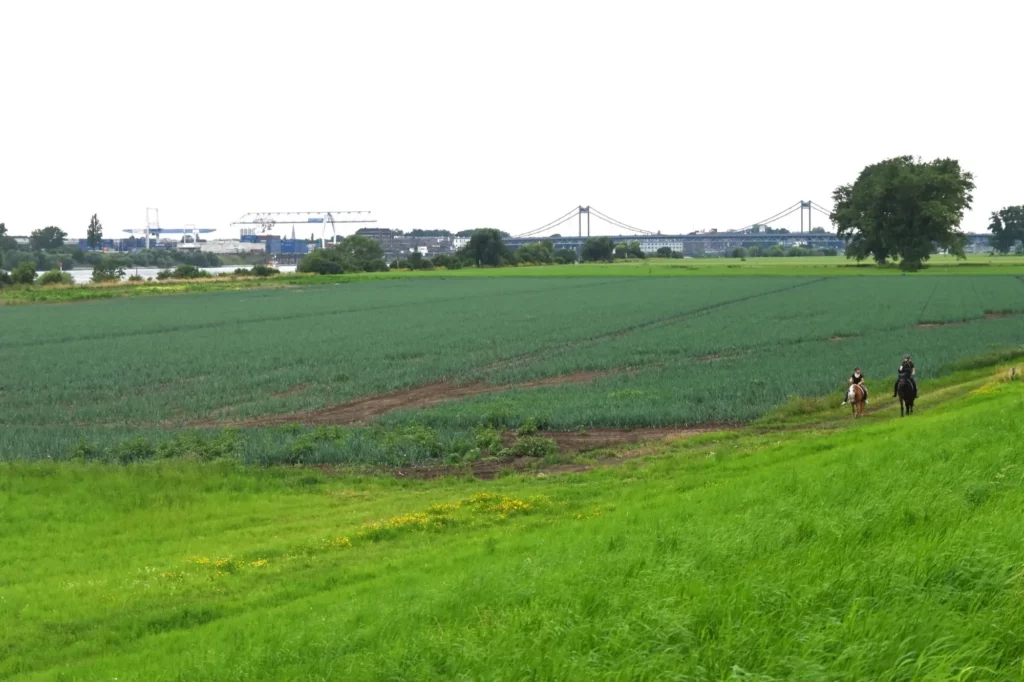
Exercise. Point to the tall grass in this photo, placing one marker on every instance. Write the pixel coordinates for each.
(888, 551)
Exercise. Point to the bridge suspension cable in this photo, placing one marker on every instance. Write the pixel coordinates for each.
(619, 223)
(819, 209)
(554, 223)
(781, 214)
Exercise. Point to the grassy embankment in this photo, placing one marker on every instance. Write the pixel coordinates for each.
(654, 267)
(885, 549)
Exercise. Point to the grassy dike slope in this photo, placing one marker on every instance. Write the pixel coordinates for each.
(889, 549)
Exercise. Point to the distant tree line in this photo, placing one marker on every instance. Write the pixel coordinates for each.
(777, 251)
(49, 251)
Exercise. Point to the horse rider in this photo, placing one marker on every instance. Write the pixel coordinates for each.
(857, 378)
(906, 371)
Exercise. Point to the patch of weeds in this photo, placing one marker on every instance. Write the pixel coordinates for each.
(527, 428)
(306, 444)
(499, 417)
(488, 440)
(195, 445)
(531, 446)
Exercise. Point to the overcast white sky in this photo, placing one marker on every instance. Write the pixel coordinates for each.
(669, 116)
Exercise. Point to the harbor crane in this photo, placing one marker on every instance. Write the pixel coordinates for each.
(266, 221)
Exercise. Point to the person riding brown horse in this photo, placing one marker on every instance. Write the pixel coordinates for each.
(857, 393)
(856, 379)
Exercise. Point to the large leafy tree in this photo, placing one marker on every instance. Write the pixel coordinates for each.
(536, 252)
(1007, 228)
(486, 247)
(94, 235)
(903, 209)
(47, 238)
(598, 248)
(352, 254)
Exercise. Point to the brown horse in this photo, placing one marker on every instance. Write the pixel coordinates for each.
(905, 390)
(856, 396)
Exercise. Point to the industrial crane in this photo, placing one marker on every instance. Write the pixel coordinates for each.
(266, 221)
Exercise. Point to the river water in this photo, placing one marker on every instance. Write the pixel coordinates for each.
(85, 275)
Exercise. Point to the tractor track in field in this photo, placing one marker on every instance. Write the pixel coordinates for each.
(362, 410)
(640, 326)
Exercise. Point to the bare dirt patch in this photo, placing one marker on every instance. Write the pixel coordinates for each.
(933, 325)
(1002, 314)
(362, 410)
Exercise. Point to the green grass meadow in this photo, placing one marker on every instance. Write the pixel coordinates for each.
(887, 549)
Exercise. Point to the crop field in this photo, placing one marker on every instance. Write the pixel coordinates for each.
(402, 370)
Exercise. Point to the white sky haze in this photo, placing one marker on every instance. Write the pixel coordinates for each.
(670, 116)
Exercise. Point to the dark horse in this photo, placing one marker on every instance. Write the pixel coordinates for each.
(905, 390)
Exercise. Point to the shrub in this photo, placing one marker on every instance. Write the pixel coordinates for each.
(135, 278)
(263, 271)
(488, 440)
(532, 425)
(107, 270)
(55, 277)
(532, 446)
(320, 263)
(183, 272)
(25, 273)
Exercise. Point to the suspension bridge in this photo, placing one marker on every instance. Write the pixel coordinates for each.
(759, 233)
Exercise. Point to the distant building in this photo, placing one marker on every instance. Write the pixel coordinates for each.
(381, 235)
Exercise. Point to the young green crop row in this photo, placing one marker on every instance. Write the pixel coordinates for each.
(674, 352)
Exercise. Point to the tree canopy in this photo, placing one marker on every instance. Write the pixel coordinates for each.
(903, 208)
(629, 250)
(48, 238)
(1007, 228)
(536, 252)
(94, 234)
(352, 254)
(486, 247)
(108, 270)
(599, 248)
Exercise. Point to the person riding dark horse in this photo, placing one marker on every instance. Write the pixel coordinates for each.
(906, 371)
(858, 379)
